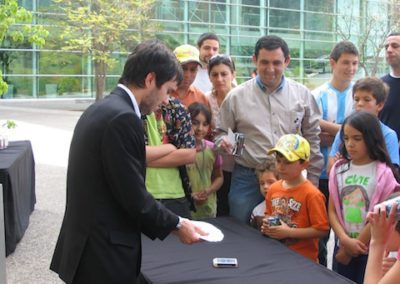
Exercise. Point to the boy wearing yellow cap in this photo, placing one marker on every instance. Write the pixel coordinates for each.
(298, 204)
(188, 57)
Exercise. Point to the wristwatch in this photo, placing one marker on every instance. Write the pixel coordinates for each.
(179, 225)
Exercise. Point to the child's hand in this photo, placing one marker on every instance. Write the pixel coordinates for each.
(276, 232)
(387, 263)
(337, 156)
(381, 226)
(354, 247)
(264, 224)
(342, 256)
(199, 197)
(256, 222)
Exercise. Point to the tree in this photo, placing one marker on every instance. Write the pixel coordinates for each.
(11, 14)
(369, 27)
(101, 27)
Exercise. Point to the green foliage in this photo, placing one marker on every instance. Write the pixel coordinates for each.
(169, 40)
(101, 27)
(68, 84)
(9, 124)
(368, 29)
(11, 14)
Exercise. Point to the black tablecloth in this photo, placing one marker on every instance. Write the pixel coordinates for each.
(17, 174)
(260, 259)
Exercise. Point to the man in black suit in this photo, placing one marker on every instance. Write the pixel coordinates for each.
(108, 206)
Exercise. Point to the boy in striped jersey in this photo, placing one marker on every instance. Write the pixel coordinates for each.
(335, 101)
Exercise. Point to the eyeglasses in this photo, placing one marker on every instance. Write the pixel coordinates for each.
(221, 56)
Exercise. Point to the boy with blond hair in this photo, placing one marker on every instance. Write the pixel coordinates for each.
(298, 204)
(266, 175)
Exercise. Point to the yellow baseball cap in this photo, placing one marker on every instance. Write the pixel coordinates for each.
(293, 147)
(187, 53)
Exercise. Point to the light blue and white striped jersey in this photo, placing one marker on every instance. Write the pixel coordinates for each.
(335, 106)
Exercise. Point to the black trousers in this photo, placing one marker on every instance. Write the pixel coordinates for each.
(322, 247)
(222, 195)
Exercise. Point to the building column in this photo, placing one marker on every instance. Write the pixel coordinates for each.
(35, 54)
(302, 42)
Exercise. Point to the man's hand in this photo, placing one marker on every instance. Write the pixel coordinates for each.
(189, 233)
(225, 145)
(326, 139)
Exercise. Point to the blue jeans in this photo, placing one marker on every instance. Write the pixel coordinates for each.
(244, 193)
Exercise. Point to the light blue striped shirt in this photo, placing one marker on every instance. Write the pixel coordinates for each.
(334, 106)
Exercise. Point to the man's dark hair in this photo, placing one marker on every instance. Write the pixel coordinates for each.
(271, 42)
(151, 56)
(205, 37)
(378, 89)
(342, 47)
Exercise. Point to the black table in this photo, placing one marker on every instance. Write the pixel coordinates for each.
(260, 259)
(17, 175)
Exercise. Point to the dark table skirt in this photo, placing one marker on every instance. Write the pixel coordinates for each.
(17, 175)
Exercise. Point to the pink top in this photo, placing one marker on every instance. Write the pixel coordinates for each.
(386, 184)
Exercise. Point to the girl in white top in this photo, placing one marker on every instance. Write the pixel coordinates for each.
(363, 178)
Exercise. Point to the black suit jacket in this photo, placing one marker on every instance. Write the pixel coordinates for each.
(107, 204)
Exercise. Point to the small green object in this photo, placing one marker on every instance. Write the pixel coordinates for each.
(10, 124)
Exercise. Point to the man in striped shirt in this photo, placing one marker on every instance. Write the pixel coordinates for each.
(335, 102)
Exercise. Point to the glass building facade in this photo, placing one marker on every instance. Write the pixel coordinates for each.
(311, 28)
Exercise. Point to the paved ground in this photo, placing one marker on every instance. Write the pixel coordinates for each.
(50, 130)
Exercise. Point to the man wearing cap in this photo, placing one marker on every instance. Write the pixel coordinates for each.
(294, 201)
(188, 56)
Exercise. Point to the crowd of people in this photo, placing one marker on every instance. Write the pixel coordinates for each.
(159, 151)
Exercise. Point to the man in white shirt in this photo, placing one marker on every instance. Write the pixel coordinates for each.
(208, 44)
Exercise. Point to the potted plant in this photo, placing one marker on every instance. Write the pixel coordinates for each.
(9, 124)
